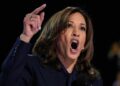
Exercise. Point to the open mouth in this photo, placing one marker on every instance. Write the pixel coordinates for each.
(74, 44)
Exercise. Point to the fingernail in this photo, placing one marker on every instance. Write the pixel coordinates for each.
(39, 28)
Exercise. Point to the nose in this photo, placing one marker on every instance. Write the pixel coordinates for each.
(76, 33)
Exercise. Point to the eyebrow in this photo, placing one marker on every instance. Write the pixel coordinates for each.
(80, 23)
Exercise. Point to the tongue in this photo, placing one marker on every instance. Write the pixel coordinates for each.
(74, 45)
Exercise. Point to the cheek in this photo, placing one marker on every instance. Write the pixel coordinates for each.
(67, 36)
(61, 43)
(64, 39)
(83, 39)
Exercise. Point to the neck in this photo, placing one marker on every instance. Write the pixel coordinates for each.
(68, 63)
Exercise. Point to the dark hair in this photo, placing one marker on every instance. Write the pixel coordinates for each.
(45, 45)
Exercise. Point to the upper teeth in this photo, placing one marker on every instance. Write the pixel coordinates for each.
(75, 41)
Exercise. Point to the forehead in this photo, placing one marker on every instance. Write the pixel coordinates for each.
(77, 17)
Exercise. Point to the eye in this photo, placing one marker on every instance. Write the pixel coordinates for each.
(69, 25)
(83, 28)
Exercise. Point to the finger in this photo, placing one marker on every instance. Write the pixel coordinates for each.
(27, 17)
(37, 19)
(37, 10)
(38, 22)
(33, 24)
(42, 16)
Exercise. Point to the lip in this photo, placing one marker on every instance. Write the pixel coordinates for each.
(74, 51)
(75, 40)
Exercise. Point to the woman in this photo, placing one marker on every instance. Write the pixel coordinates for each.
(61, 55)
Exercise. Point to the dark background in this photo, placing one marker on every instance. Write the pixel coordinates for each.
(104, 15)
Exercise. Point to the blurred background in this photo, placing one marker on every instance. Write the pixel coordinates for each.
(105, 18)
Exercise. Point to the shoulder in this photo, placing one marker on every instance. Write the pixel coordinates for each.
(89, 77)
(35, 63)
(33, 60)
(36, 67)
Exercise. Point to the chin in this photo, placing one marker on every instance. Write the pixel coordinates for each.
(73, 56)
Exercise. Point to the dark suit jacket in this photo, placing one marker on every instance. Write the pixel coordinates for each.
(21, 69)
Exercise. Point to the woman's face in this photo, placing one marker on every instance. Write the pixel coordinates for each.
(72, 39)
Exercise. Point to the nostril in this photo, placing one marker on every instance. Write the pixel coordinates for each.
(74, 34)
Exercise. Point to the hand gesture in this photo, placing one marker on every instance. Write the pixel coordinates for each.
(32, 23)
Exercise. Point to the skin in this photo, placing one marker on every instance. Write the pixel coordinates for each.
(32, 23)
(76, 30)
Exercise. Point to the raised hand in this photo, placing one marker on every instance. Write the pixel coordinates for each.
(32, 23)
